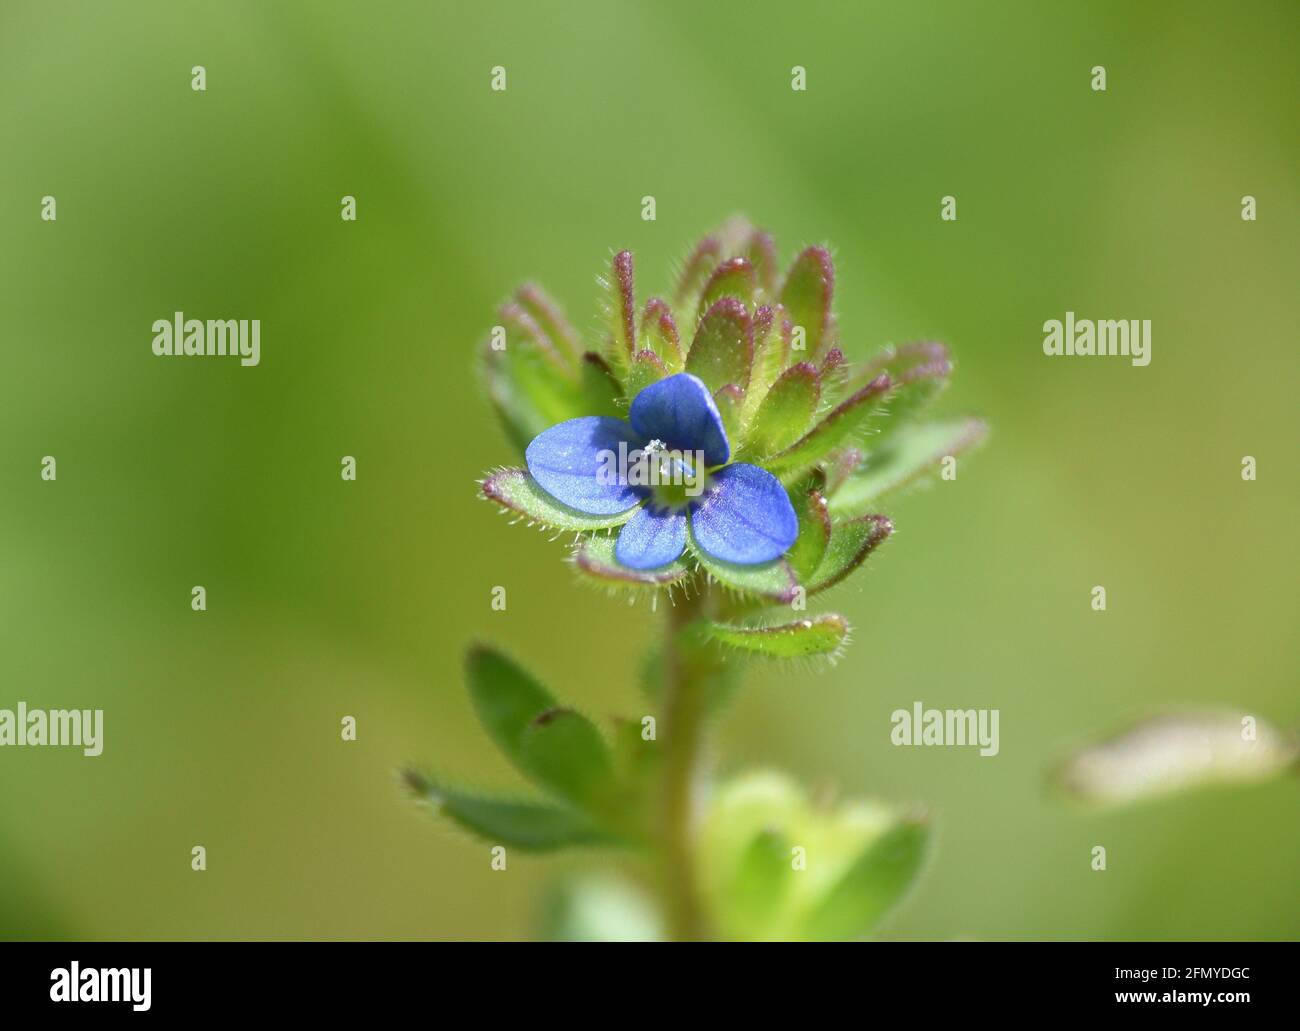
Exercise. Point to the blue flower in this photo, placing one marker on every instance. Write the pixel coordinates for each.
(743, 515)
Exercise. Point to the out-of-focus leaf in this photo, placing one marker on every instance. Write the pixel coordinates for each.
(519, 492)
(846, 421)
(1177, 752)
(761, 252)
(550, 317)
(594, 556)
(563, 753)
(735, 277)
(723, 349)
(851, 541)
(785, 413)
(872, 885)
(909, 454)
(526, 825)
(600, 908)
(530, 384)
(697, 269)
(659, 333)
(825, 864)
(758, 886)
(601, 390)
(821, 635)
(506, 698)
(807, 293)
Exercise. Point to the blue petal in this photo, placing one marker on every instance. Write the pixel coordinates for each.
(746, 517)
(566, 458)
(651, 538)
(680, 411)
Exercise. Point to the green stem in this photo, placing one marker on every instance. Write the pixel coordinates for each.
(685, 684)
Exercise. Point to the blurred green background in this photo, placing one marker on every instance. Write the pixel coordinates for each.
(328, 598)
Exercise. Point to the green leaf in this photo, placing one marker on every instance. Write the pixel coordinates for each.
(851, 541)
(807, 293)
(1177, 752)
(620, 310)
(786, 412)
(697, 269)
(735, 277)
(843, 424)
(531, 386)
(821, 635)
(600, 908)
(872, 885)
(563, 753)
(646, 368)
(506, 699)
(594, 556)
(550, 317)
(911, 453)
(814, 529)
(515, 490)
(771, 353)
(602, 393)
(659, 334)
(761, 252)
(918, 372)
(731, 405)
(723, 349)
(773, 580)
(525, 825)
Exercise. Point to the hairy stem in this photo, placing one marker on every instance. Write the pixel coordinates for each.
(685, 683)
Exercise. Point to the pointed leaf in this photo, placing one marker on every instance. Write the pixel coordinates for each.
(851, 541)
(731, 405)
(807, 293)
(872, 885)
(1177, 752)
(516, 490)
(659, 333)
(525, 825)
(822, 635)
(909, 454)
(844, 423)
(723, 349)
(620, 310)
(785, 414)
